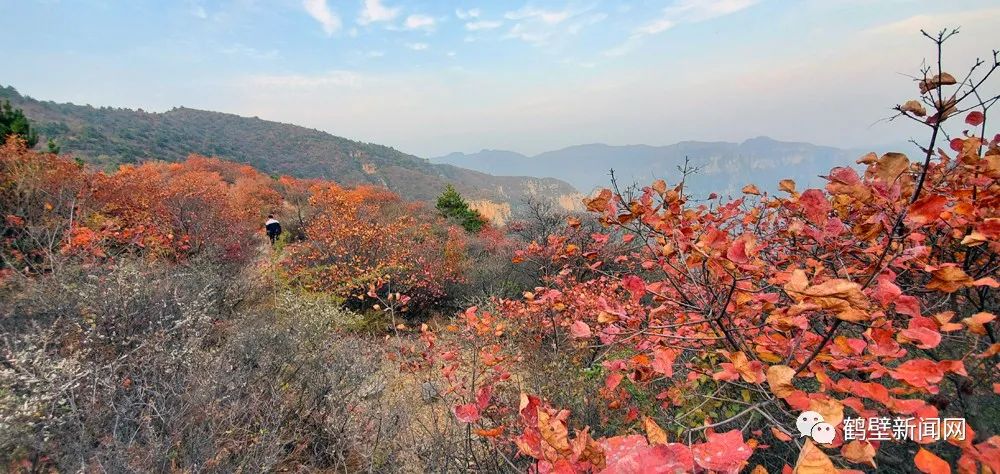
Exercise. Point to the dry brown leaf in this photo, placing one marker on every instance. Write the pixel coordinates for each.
(859, 452)
(891, 165)
(813, 460)
(832, 410)
(914, 107)
(943, 79)
(779, 378)
(654, 433)
(949, 279)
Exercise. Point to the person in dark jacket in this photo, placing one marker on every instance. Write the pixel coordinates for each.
(273, 228)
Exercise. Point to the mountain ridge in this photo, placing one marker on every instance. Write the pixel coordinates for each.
(107, 137)
(723, 167)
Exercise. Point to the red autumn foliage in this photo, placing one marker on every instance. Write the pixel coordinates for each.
(830, 300)
(367, 241)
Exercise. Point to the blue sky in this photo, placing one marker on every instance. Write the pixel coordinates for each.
(431, 77)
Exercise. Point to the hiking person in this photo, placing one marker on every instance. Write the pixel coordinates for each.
(273, 228)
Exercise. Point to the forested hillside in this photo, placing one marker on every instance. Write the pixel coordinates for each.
(112, 136)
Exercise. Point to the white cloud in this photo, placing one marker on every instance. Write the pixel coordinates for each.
(546, 16)
(244, 50)
(374, 54)
(467, 14)
(417, 46)
(483, 25)
(373, 11)
(528, 35)
(199, 11)
(419, 22)
(693, 11)
(299, 81)
(681, 11)
(586, 21)
(543, 27)
(657, 26)
(320, 11)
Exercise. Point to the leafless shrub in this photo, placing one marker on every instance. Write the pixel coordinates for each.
(144, 368)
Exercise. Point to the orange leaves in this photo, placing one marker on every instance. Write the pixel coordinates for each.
(812, 460)
(841, 297)
(546, 439)
(926, 374)
(553, 430)
(891, 166)
(740, 367)
(859, 452)
(489, 433)
(654, 433)
(663, 361)
(368, 236)
(977, 322)
(949, 278)
(831, 409)
(926, 210)
(598, 203)
(779, 379)
(929, 463)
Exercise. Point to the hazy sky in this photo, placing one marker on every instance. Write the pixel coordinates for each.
(431, 77)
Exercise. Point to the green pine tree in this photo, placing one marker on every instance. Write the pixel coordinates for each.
(13, 122)
(450, 204)
(53, 147)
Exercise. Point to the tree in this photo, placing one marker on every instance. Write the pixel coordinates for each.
(13, 122)
(54, 148)
(451, 205)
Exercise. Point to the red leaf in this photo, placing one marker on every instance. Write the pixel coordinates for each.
(926, 209)
(637, 457)
(815, 206)
(663, 361)
(737, 252)
(580, 330)
(483, 397)
(956, 144)
(467, 413)
(928, 462)
(613, 380)
(975, 118)
(634, 285)
(887, 291)
(925, 337)
(723, 452)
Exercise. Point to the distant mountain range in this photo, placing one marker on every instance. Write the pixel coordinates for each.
(108, 137)
(722, 167)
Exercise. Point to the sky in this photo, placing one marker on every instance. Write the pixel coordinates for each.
(433, 77)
